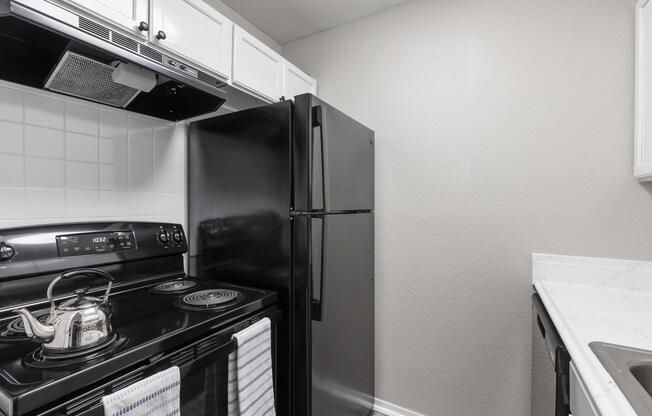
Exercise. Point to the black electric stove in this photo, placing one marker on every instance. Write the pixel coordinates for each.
(160, 316)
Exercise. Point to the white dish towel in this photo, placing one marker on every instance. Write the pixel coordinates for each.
(251, 380)
(157, 395)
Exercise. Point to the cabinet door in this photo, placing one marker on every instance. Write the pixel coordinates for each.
(643, 118)
(256, 67)
(297, 82)
(580, 402)
(123, 14)
(193, 30)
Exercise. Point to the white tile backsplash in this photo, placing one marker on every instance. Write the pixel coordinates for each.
(44, 110)
(142, 155)
(82, 175)
(113, 124)
(114, 152)
(82, 118)
(11, 170)
(167, 150)
(82, 203)
(66, 160)
(11, 139)
(13, 202)
(165, 180)
(82, 147)
(142, 203)
(11, 104)
(41, 204)
(44, 142)
(140, 130)
(44, 173)
(113, 203)
(141, 179)
(114, 178)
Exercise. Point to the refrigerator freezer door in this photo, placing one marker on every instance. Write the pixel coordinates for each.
(342, 288)
(333, 159)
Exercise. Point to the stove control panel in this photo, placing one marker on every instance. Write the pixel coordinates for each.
(171, 236)
(95, 243)
(52, 248)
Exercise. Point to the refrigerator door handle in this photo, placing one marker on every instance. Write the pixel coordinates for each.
(320, 145)
(318, 269)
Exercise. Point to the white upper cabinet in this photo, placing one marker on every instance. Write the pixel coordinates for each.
(643, 118)
(123, 14)
(256, 67)
(193, 30)
(297, 82)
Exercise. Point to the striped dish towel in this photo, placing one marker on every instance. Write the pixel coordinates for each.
(251, 382)
(157, 395)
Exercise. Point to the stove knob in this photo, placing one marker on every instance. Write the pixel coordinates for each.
(177, 237)
(6, 251)
(164, 237)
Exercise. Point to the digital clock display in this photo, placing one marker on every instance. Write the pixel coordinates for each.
(95, 243)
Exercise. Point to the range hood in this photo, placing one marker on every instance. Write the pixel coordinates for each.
(45, 46)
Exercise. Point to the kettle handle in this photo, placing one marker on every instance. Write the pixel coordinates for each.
(79, 272)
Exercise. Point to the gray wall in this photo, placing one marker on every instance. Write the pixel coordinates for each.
(503, 127)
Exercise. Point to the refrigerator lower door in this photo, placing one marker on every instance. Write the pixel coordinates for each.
(333, 159)
(342, 330)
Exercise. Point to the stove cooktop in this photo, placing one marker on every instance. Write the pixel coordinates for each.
(147, 321)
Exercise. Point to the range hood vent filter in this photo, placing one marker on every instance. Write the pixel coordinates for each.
(89, 79)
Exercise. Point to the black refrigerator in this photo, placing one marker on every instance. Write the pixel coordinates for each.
(281, 197)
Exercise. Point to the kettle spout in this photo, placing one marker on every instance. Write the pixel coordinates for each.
(33, 328)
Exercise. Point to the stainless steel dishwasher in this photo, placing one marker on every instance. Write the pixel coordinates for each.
(550, 385)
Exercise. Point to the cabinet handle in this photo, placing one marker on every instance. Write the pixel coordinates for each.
(143, 26)
(161, 35)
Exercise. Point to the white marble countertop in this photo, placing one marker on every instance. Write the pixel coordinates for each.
(592, 299)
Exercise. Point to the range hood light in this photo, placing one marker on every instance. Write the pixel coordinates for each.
(134, 76)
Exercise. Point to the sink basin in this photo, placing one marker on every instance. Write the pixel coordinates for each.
(643, 374)
(631, 369)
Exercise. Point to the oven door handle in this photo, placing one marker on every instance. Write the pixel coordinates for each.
(187, 362)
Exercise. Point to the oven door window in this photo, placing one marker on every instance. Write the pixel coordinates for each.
(204, 387)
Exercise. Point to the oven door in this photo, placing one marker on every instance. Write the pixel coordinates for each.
(203, 365)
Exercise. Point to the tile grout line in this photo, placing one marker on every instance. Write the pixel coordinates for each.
(97, 138)
(65, 163)
(24, 130)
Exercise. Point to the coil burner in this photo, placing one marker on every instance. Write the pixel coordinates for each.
(41, 358)
(173, 287)
(211, 298)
